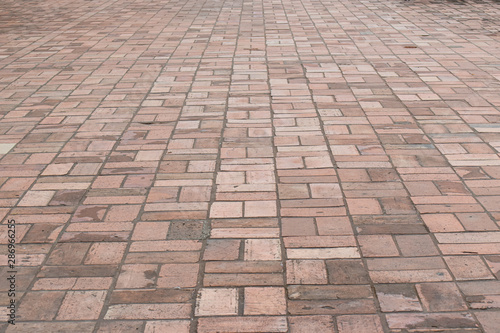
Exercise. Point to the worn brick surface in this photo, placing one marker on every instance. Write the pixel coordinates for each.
(251, 165)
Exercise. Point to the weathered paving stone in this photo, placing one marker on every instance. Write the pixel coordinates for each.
(250, 166)
(432, 320)
(398, 297)
(347, 272)
(151, 296)
(187, 230)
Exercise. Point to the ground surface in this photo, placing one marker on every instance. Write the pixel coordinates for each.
(251, 166)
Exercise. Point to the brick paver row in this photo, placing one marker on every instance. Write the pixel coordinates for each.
(251, 166)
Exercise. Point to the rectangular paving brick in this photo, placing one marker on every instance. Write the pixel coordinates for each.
(331, 307)
(217, 302)
(249, 324)
(359, 323)
(398, 297)
(148, 311)
(182, 166)
(458, 320)
(81, 305)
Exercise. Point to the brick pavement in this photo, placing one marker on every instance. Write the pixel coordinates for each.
(251, 166)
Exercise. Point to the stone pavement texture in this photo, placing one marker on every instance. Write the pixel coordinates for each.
(251, 165)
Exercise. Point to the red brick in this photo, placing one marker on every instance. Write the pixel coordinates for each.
(82, 305)
(42, 305)
(306, 272)
(437, 297)
(363, 206)
(105, 253)
(265, 301)
(178, 275)
(178, 326)
(359, 324)
(148, 311)
(397, 297)
(377, 246)
(468, 268)
(217, 302)
(249, 324)
(222, 249)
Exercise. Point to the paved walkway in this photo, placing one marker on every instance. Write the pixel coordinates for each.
(251, 165)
